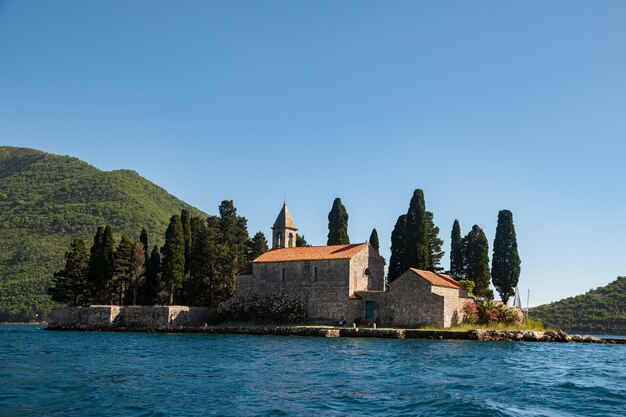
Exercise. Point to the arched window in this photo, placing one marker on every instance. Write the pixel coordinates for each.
(279, 239)
(291, 240)
(366, 272)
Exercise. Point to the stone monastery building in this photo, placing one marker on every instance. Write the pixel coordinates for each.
(344, 282)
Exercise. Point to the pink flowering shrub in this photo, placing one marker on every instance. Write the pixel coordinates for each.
(470, 312)
(488, 312)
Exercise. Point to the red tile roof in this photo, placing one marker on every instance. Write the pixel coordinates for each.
(311, 253)
(438, 280)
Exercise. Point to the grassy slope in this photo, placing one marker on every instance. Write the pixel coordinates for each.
(47, 200)
(601, 311)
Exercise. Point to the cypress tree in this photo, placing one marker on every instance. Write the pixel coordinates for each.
(434, 244)
(108, 256)
(143, 238)
(138, 269)
(152, 295)
(505, 267)
(416, 251)
(338, 224)
(217, 267)
(186, 223)
(173, 265)
(301, 241)
(258, 246)
(202, 252)
(94, 273)
(476, 254)
(123, 265)
(456, 252)
(70, 283)
(234, 249)
(374, 240)
(398, 243)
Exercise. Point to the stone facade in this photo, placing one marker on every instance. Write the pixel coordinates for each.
(128, 317)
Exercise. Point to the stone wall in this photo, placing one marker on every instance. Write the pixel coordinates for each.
(128, 317)
(367, 270)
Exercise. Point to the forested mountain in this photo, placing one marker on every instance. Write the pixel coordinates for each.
(47, 200)
(600, 311)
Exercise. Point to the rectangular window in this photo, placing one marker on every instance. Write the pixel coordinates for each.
(283, 274)
(315, 274)
(369, 309)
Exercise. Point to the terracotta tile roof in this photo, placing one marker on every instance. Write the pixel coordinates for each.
(439, 280)
(311, 253)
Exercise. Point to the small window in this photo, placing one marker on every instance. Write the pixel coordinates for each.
(279, 239)
(283, 274)
(315, 274)
(366, 272)
(291, 240)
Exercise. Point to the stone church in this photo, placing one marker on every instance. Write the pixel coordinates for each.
(345, 282)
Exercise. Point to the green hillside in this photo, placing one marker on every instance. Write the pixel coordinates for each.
(47, 200)
(600, 311)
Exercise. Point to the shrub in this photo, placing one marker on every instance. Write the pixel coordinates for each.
(251, 306)
(470, 312)
(488, 312)
(511, 315)
(469, 286)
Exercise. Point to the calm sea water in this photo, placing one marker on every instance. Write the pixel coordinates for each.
(124, 374)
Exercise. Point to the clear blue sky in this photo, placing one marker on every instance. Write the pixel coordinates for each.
(484, 105)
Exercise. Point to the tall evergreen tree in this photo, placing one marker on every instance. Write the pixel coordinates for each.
(143, 238)
(398, 243)
(200, 263)
(338, 224)
(456, 252)
(435, 244)
(301, 241)
(108, 255)
(94, 271)
(217, 264)
(186, 223)
(123, 254)
(234, 241)
(138, 269)
(173, 264)
(153, 287)
(374, 240)
(101, 266)
(70, 283)
(258, 246)
(476, 255)
(416, 251)
(505, 264)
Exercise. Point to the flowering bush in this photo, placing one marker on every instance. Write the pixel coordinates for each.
(251, 306)
(470, 312)
(488, 312)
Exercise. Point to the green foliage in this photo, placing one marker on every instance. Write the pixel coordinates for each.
(373, 240)
(469, 286)
(46, 201)
(456, 252)
(434, 243)
(153, 287)
(143, 238)
(264, 308)
(338, 224)
(138, 271)
(69, 285)
(599, 311)
(301, 241)
(416, 251)
(123, 266)
(173, 264)
(258, 245)
(476, 255)
(397, 249)
(233, 241)
(185, 222)
(505, 264)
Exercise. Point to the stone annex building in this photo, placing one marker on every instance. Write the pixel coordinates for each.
(344, 282)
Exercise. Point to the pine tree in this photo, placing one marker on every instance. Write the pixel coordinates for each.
(456, 252)
(476, 255)
(95, 277)
(505, 267)
(301, 241)
(434, 244)
(138, 269)
(70, 283)
(173, 265)
(338, 224)
(153, 287)
(398, 243)
(416, 251)
(123, 256)
(258, 246)
(143, 238)
(374, 240)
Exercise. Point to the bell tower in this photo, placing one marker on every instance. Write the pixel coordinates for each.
(284, 230)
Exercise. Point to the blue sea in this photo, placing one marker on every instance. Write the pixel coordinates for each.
(46, 373)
